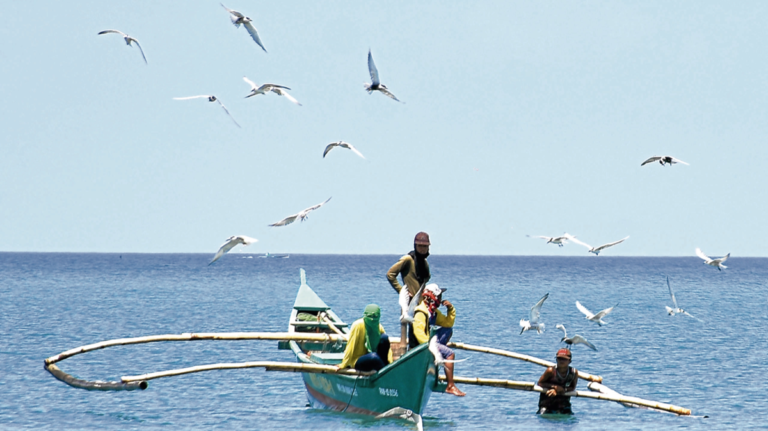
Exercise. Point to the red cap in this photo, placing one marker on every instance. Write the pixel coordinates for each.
(563, 353)
(421, 239)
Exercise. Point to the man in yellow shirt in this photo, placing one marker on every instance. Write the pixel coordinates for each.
(368, 345)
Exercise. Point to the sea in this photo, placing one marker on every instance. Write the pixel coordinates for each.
(714, 364)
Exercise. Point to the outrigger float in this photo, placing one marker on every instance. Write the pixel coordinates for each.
(317, 337)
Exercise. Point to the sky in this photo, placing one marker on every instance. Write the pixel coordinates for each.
(519, 118)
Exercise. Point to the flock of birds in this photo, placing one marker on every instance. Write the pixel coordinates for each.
(239, 19)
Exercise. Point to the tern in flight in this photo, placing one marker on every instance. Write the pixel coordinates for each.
(576, 339)
(341, 144)
(407, 304)
(302, 215)
(266, 88)
(717, 263)
(663, 160)
(231, 243)
(558, 240)
(598, 249)
(128, 41)
(533, 323)
(402, 413)
(375, 84)
(439, 360)
(238, 18)
(210, 99)
(597, 318)
(677, 310)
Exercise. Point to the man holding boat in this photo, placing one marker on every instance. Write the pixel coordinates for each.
(557, 381)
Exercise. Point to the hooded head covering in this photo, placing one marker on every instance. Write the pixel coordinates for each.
(371, 316)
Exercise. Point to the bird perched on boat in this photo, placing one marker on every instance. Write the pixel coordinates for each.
(210, 99)
(576, 339)
(557, 240)
(597, 318)
(266, 88)
(375, 84)
(402, 413)
(302, 215)
(341, 144)
(407, 304)
(231, 243)
(676, 310)
(717, 263)
(238, 18)
(128, 41)
(598, 249)
(439, 360)
(663, 160)
(533, 323)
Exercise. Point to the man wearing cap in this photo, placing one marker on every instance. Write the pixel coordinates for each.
(557, 381)
(413, 267)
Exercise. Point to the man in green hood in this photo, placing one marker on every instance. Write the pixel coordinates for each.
(368, 345)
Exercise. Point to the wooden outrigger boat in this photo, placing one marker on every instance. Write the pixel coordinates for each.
(407, 383)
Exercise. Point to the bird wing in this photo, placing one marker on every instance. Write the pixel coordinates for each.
(573, 238)
(233, 12)
(536, 309)
(113, 31)
(191, 97)
(603, 313)
(254, 34)
(227, 111)
(610, 244)
(282, 92)
(578, 339)
(253, 86)
(674, 160)
(724, 258)
(354, 150)
(286, 221)
(314, 207)
(373, 71)
(702, 255)
(670, 310)
(228, 245)
(415, 300)
(435, 351)
(246, 240)
(403, 299)
(548, 238)
(674, 300)
(560, 326)
(142, 51)
(650, 160)
(387, 93)
(584, 310)
(329, 147)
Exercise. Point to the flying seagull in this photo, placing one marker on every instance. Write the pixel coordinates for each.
(341, 144)
(210, 99)
(676, 310)
(576, 339)
(439, 360)
(266, 88)
(558, 240)
(408, 305)
(230, 243)
(595, 250)
(663, 160)
(718, 263)
(402, 413)
(302, 215)
(597, 318)
(375, 84)
(238, 18)
(128, 41)
(533, 323)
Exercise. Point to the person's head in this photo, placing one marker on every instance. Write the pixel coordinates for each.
(371, 316)
(436, 290)
(372, 313)
(563, 358)
(421, 243)
(430, 300)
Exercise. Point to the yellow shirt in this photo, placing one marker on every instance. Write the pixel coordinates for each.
(421, 321)
(356, 345)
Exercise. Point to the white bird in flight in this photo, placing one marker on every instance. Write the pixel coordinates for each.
(558, 240)
(302, 215)
(238, 18)
(598, 249)
(375, 84)
(210, 99)
(266, 88)
(533, 323)
(128, 41)
(407, 304)
(576, 339)
(341, 144)
(597, 318)
(717, 263)
(676, 310)
(663, 160)
(231, 243)
(402, 413)
(439, 360)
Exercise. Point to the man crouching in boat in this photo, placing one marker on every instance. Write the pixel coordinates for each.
(426, 311)
(557, 381)
(368, 345)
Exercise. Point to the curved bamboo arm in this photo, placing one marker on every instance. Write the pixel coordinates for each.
(531, 359)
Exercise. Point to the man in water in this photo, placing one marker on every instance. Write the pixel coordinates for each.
(557, 381)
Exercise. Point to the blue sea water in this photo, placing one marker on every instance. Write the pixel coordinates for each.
(52, 302)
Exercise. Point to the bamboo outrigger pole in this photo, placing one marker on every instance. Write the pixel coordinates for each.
(531, 359)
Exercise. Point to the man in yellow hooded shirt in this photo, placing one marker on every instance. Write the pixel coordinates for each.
(368, 345)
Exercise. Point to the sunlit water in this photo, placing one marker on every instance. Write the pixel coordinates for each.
(54, 302)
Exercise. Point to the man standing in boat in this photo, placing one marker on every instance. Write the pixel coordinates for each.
(413, 267)
(557, 381)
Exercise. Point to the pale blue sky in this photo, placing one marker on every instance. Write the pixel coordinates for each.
(519, 118)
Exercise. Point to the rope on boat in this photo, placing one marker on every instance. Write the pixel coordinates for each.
(531, 359)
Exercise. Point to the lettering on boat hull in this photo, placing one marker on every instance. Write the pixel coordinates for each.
(388, 392)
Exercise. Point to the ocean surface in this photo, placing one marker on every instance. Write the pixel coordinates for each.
(52, 302)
